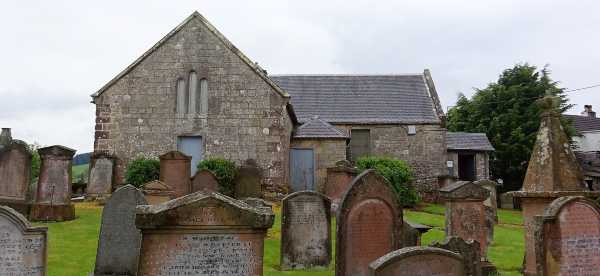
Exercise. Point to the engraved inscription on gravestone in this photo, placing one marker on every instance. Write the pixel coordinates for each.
(305, 230)
(22, 247)
(568, 238)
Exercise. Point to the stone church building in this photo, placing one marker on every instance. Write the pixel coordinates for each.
(195, 92)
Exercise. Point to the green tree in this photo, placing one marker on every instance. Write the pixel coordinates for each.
(508, 113)
(397, 172)
(142, 170)
(224, 170)
(36, 162)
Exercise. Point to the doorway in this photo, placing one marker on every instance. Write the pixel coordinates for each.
(302, 170)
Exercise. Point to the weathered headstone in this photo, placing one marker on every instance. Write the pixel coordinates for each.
(412, 233)
(492, 201)
(101, 177)
(369, 224)
(469, 250)
(175, 172)
(305, 231)
(248, 182)
(120, 241)
(567, 238)
(157, 192)
(23, 248)
(465, 212)
(418, 261)
(53, 197)
(338, 181)
(205, 180)
(15, 164)
(507, 201)
(202, 234)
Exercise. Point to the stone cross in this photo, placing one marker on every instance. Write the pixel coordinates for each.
(120, 241)
(23, 248)
(369, 224)
(305, 231)
(202, 234)
(567, 238)
(53, 197)
(418, 260)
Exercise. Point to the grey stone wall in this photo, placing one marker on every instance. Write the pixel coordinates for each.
(425, 151)
(327, 152)
(246, 117)
(481, 163)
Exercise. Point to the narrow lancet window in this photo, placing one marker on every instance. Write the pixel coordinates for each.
(203, 96)
(181, 97)
(193, 95)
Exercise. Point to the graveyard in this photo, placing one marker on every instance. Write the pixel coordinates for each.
(204, 163)
(72, 245)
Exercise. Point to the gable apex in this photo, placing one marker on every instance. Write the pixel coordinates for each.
(195, 15)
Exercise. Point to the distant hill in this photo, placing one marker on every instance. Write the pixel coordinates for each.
(83, 158)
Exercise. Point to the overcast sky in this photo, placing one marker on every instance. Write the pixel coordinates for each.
(54, 54)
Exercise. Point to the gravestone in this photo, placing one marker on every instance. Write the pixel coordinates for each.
(120, 241)
(23, 248)
(338, 181)
(305, 231)
(175, 171)
(202, 234)
(469, 250)
(101, 177)
(53, 196)
(465, 212)
(418, 261)
(412, 233)
(248, 181)
(369, 224)
(15, 164)
(157, 192)
(507, 201)
(205, 180)
(567, 237)
(492, 201)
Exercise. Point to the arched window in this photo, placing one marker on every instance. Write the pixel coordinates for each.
(192, 93)
(181, 97)
(203, 96)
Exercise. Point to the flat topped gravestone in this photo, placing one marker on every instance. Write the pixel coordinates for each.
(418, 261)
(248, 182)
(338, 181)
(202, 234)
(567, 238)
(15, 167)
(53, 197)
(369, 224)
(175, 171)
(120, 241)
(205, 180)
(305, 231)
(23, 248)
(101, 177)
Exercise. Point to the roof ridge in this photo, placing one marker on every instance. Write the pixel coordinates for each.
(347, 75)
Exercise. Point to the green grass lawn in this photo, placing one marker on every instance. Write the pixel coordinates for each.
(72, 245)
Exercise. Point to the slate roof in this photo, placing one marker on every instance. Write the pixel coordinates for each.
(317, 128)
(468, 141)
(362, 99)
(584, 123)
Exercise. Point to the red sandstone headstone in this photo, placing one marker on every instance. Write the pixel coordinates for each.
(157, 192)
(205, 180)
(53, 197)
(369, 224)
(567, 238)
(338, 182)
(465, 212)
(202, 234)
(15, 164)
(418, 261)
(175, 172)
(248, 182)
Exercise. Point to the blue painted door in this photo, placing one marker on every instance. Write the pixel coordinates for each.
(192, 146)
(302, 169)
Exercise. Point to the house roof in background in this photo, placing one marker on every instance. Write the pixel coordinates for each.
(468, 141)
(584, 123)
(317, 128)
(361, 99)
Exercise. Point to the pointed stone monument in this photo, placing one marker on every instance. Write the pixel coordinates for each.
(553, 172)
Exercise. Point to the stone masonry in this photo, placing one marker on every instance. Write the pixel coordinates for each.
(327, 153)
(246, 118)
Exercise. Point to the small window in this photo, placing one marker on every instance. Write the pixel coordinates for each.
(192, 92)
(412, 130)
(203, 96)
(181, 97)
